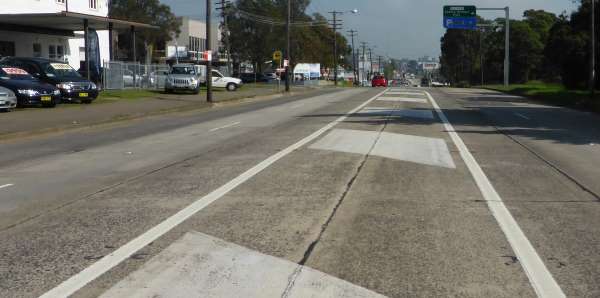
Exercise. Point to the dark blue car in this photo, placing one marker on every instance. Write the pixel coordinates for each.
(29, 90)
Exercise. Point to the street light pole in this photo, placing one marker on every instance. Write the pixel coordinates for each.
(209, 95)
(335, 56)
(593, 50)
(352, 35)
(288, 47)
(507, 49)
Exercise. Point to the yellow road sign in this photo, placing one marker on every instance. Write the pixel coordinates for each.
(277, 55)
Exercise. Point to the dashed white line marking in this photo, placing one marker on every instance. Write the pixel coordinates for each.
(6, 185)
(540, 278)
(78, 281)
(522, 116)
(225, 126)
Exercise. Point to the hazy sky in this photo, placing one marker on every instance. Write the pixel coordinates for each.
(398, 28)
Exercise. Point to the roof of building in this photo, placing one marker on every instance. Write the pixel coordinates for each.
(68, 21)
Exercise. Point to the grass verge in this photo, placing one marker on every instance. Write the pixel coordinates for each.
(555, 94)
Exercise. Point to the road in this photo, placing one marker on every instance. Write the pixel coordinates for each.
(350, 193)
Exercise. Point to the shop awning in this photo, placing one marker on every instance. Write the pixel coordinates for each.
(65, 21)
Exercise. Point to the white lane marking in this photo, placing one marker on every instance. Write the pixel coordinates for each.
(402, 99)
(522, 116)
(210, 267)
(6, 185)
(410, 113)
(225, 126)
(78, 281)
(540, 278)
(415, 149)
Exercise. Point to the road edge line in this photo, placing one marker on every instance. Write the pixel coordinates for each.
(539, 276)
(90, 273)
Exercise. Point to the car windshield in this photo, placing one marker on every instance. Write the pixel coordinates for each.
(14, 73)
(60, 70)
(183, 70)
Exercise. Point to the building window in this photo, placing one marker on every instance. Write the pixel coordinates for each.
(82, 53)
(60, 53)
(52, 52)
(37, 50)
(61, 1)
(93, 4)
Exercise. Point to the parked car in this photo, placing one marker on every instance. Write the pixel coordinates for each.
(218, 79)
(183, 77)
(379, 81)
(29, 90)
(8, 99)
(73, 87)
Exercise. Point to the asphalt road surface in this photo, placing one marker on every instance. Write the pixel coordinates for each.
(352, 193)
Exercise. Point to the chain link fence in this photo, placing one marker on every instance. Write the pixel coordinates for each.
(118, 75)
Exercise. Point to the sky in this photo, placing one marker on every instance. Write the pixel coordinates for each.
(398, 28)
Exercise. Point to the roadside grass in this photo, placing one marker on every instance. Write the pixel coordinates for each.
(555, 94)
(128, 94)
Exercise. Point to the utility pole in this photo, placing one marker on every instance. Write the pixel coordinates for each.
(593, 51)
(379, 64)
(209, 97)
(223, 5)
(370, 63)
(364, 58)
(289, 48)
(335, 26)
(352, 35)
(507, 49)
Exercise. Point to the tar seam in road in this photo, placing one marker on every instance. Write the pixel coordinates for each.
(87, 275)
(313, 244)
(540, 278)
(549, 163)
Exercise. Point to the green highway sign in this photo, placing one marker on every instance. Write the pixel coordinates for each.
(458, 11)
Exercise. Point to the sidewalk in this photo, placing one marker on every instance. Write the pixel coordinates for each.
(67, 116)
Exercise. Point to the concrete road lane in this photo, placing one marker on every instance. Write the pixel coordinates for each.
(306, 199)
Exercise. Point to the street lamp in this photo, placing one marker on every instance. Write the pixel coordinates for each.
(335, 28)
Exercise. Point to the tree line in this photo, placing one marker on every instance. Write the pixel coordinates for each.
(543, 46)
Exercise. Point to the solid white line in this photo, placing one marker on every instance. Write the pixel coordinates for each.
(540, 278)
(226, 126)
(6, 185)
(522, 116)
(111, 260)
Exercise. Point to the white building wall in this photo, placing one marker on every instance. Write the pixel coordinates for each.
(51, 6)
(24, 41)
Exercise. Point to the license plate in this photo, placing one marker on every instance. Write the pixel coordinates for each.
(83, 95)
(46, 98)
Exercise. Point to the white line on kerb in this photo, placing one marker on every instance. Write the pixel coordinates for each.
(6, 185)
(522, 116)
(540, 278)
(225, 126)
(111, 260)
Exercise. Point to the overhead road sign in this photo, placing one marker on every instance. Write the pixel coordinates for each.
(460, 17)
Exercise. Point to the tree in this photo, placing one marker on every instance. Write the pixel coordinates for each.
(253, 39)
(148, 12)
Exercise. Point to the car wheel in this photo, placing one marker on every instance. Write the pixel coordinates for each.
(231, 87)
(197, 90)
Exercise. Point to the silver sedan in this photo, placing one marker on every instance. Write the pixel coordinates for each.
(8, 100)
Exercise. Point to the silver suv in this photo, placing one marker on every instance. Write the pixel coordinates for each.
(183, 77)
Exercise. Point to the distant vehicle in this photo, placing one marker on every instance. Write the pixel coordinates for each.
(425, 82)
(183, 77)
(8, 99)
(29, 90)
(72, 86)
(271, 76)
(379, 81)
(251, 78)
(218, 79)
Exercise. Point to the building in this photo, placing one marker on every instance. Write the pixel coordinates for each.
(192, 40)
(54, 29)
